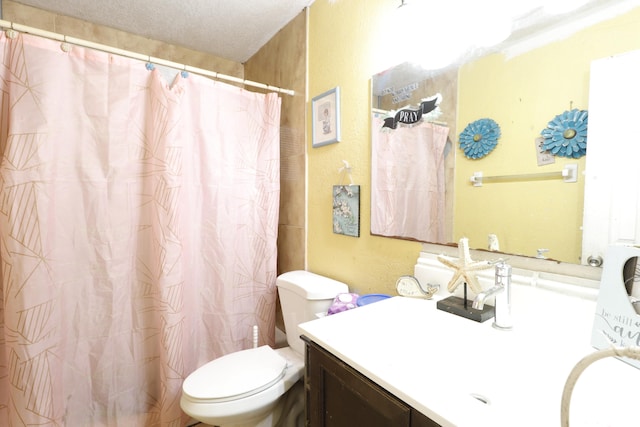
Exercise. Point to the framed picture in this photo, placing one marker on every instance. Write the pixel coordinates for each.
(346, 210)
(326, 118)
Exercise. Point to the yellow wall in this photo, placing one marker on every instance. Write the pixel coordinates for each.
(522, 95)
(344, 51)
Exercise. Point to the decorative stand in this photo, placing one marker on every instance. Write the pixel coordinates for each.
(464, 272)
(463, 307)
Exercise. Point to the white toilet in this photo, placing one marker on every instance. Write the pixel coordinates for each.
(251, 387)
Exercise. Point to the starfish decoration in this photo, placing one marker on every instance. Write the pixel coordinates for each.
(464, 268)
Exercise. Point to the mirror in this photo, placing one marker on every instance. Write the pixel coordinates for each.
(522, 87)
(412, 161)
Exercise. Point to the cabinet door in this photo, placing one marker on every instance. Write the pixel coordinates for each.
(339, 396)
(420, 420)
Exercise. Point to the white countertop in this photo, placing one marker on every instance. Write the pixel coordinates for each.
(436, 361)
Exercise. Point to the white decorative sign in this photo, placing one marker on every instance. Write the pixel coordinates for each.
(616, 322)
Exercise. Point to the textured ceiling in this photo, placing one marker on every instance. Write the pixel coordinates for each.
(230, 29)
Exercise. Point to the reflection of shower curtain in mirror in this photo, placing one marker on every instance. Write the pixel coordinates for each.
(138, 227)
(407, 181)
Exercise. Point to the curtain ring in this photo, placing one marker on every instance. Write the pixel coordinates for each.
(64, 46)
(11, 33)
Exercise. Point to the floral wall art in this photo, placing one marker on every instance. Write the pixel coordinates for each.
(346, 210)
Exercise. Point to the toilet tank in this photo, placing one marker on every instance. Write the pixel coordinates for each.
(303, 295)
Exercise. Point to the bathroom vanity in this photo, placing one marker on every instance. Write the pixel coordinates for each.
(402, 362)
(339, 396)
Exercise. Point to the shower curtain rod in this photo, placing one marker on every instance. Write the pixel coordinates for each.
(8, 25)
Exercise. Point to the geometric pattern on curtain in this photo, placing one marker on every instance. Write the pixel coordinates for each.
(138, 225)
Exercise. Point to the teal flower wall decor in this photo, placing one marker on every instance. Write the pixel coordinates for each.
(479, 138)
(566, 134)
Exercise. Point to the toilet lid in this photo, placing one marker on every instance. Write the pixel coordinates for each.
(236, 375)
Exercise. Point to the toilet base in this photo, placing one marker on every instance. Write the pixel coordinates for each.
(288, 412)
(292, 407)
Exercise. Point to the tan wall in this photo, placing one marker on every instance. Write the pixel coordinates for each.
(282, 62)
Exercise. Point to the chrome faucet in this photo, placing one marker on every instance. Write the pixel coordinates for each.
(502, 292)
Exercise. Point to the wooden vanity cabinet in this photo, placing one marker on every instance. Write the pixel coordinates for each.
(336, 395)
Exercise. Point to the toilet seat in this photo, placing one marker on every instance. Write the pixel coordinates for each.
(235, 375)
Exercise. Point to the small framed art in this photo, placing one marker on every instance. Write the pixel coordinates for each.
(346, 210)
(325, 113)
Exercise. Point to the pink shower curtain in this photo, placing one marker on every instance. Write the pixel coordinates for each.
(407, 181)
(138, 225)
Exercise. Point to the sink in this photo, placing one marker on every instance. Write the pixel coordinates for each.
(464, 373)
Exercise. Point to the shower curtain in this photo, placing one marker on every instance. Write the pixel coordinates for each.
(138, 224)
(407, 181)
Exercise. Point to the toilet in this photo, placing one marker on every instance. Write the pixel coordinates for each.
(262, 386)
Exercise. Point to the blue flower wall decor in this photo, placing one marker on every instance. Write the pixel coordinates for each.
(479, 138)
(566, 134)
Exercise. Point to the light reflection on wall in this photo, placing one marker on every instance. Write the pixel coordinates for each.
(437, 34)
